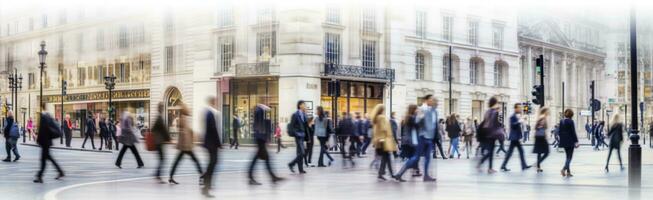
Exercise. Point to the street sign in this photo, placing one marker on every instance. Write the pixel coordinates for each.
(585, 113)
(609, 112)
(612, 100)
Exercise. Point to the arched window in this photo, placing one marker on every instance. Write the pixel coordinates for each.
(476, 71)
(419, 66)
(454, 71)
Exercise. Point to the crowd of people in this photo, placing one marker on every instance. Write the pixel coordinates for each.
(419, 135)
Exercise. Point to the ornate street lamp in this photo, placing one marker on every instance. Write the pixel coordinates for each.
(110, 84)
(42, 54)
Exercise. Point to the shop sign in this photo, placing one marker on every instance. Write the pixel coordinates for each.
(95, 96)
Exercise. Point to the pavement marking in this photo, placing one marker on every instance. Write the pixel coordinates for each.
(52, 194)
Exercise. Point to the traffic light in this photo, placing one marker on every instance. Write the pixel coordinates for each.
(595, 104)
(64, 87)
(539, 63)
(526, 107)
(538, 95)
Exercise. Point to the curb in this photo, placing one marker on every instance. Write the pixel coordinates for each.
(69, 149)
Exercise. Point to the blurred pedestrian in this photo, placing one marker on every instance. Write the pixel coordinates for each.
(48, 130)
(277, 137)
(161, 136)
(468, 136)
(616, 138)
(90, 131)
(568, 140)
(411, 146)
(359, 134)
(67, 130)
(437, 141)
(428, 132)
(395, 129)
(490, 131)
(323, 128)
(262, 128)
(515, 136)
(310, 140)
(382, 139)
(453, 132)
(11, 133)
(298, 129)
(541, 145)
(105, 136)
(30, 129)
(556, 136)
(366, 134)
(128, 139)
(212, 130)
(236, 124)
(345, 131)
(185, 144)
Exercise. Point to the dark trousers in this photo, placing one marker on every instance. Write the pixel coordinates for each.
(501, 147)
(515, 144)
(308, 156)
(234, 140)
(103, 141)
(365, 144)
(342, 141)
(355, 143)
(569, 153)
(438, 145)
(11, 146)
(134, 151)
(86, 138)
(178, 159)
(68, 135)
(279, 145)
(607, 162)
(488, 153)
(208, 174)
(299, 145)
(45, 156)
(468, 147)
(323, 151)
(262, 154)
(540, 158)
(385, 162)
(115, 139)
(161, 156)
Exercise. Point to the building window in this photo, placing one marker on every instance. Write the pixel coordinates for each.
(226, 17)
(369, 19)
(31, 24)
(170, 59)
(473, 32)
(474, 71)
(499, 74)
(31, 80)
(100, 74)
(497, 36)
(81, 76)
(332, 48)
(169, 22)
(139, 34)
(226, 49)
(333, 14)
(447, 28)
(123, 74)
(124, 37)
(419, 66)
(420, 24)
(266, 47)
(369, 53)
(265, 14)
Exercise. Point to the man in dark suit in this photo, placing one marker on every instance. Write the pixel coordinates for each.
(345, 130)
(161, 136)
(212, 128)
(262, 133)
(515, 139)
(299, 126)
(10, 142)
(48, 130)
(90, 131)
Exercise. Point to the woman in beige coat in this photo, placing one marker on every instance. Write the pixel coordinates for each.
(382, 139)
(185, 144)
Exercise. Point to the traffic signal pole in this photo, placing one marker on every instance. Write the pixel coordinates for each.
(542, 79)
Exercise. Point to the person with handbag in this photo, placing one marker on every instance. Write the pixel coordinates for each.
(323, 128)
(568, 140)
(453, 132)
(541, 145)
(11, 133)
(410, 141)
(185, 144)
(161, 136)
(383, 140)
(128, 139)
(48, 130)
(490, 130)
(616, 138)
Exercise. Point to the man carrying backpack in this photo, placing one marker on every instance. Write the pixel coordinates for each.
(297, 129)
(11, 133)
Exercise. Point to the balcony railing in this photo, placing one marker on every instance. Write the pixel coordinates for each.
(253, 69)
(359, 72)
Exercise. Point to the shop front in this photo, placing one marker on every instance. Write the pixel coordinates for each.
(80, 105)
(240, 100)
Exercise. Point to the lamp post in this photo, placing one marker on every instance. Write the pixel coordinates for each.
(24, 111)
(15, 84)
(634, 150)
(42, 54)
(110, 84)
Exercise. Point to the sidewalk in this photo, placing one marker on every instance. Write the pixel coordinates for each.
(75, 144)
